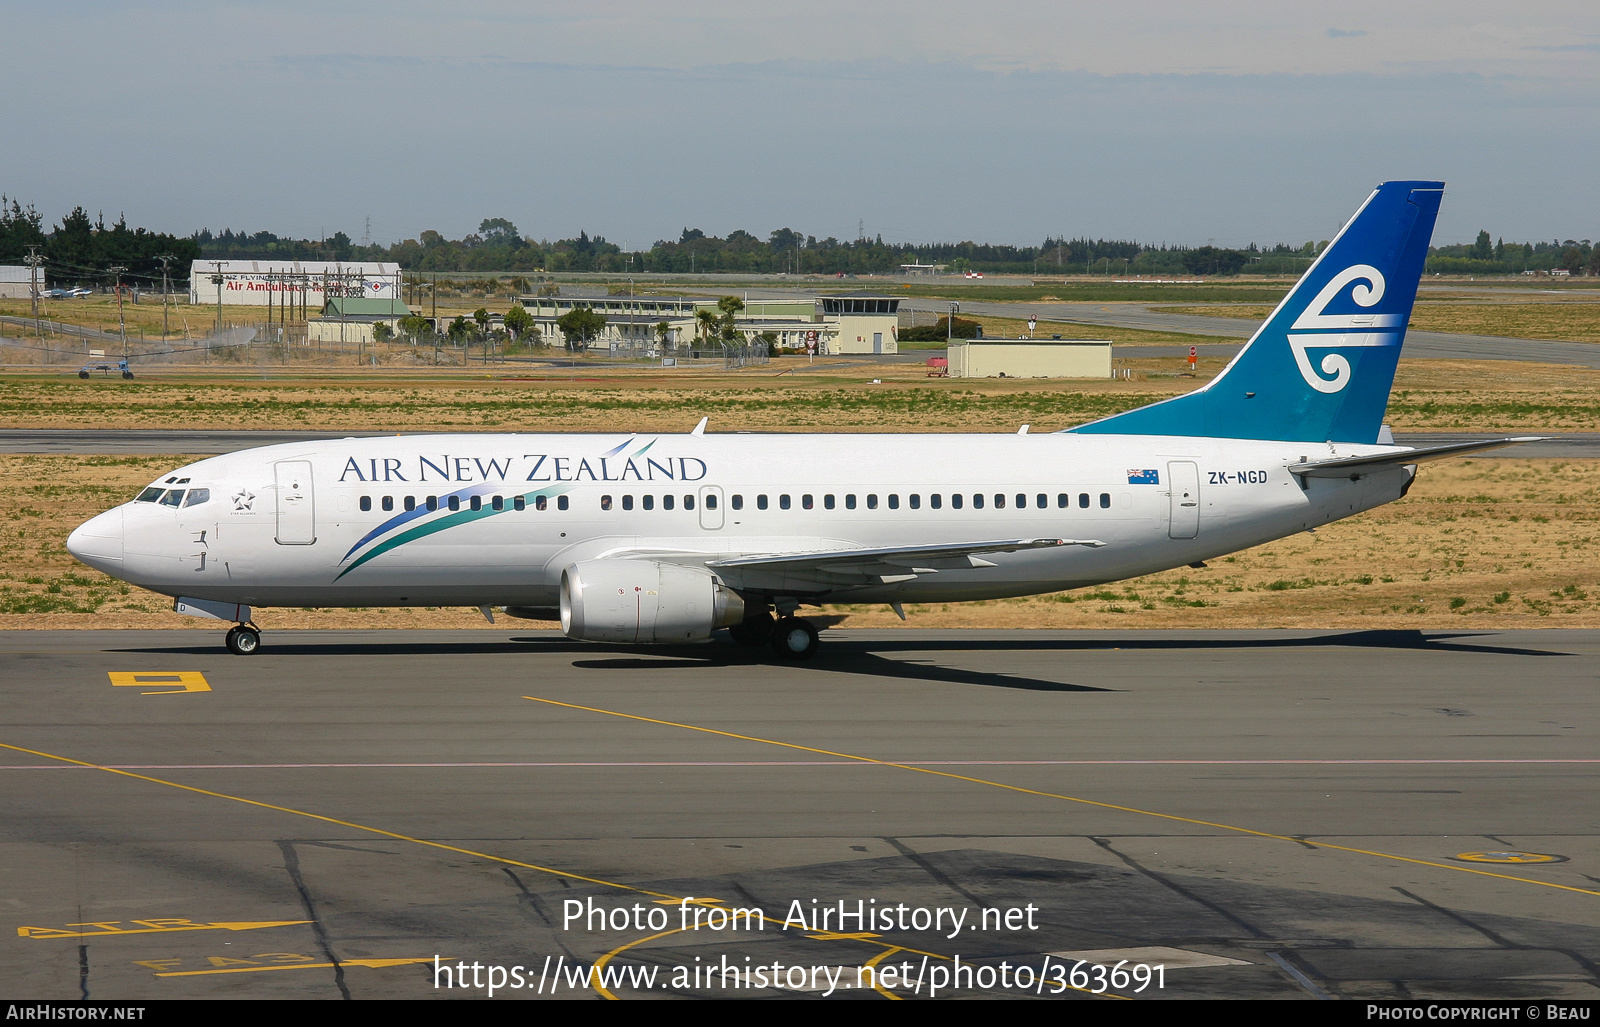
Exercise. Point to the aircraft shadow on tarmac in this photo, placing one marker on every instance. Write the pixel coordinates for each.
(874, 657)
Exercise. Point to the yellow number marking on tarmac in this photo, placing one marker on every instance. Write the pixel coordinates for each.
(1068, 798)
(162, 925)
(376, 964)
(183, 680)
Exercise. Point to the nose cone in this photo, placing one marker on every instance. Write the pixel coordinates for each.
(98, 542)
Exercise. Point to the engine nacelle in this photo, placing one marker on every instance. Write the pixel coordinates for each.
(644, 601)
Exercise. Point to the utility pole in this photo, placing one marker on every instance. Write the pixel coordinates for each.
(122, 324)
(166, 259)
(33, 260)
(217, 278)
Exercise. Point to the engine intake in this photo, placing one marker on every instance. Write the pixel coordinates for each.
(644, 601)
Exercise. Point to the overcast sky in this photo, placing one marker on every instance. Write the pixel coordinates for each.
(1225, 121)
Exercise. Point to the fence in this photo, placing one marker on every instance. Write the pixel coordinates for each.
(25, 342)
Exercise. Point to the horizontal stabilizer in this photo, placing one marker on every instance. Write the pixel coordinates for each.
(1359, 465)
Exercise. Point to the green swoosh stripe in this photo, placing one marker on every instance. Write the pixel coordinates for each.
(449, 521)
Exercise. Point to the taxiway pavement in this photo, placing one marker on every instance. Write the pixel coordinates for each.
(1369, 814)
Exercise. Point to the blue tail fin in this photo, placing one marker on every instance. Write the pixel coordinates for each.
(1319, 369)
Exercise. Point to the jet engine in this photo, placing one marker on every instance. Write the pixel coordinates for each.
(644, 601)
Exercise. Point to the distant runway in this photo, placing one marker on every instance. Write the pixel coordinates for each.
(1290, 814)
(1421, 345)
(202, 443)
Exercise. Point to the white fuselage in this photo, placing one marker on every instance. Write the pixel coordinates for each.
(325, 524)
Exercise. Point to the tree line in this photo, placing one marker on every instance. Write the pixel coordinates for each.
(81, 251)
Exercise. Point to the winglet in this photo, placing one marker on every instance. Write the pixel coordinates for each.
(700, 429)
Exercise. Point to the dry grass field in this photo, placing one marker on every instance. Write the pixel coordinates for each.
(1575, 320)
(787, 395)
(1481, 543)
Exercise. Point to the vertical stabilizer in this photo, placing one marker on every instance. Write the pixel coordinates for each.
(1320, 368)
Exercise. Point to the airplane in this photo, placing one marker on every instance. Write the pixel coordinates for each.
(667, 538)
(62, 294)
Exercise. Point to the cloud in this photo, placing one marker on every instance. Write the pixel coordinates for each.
(1345, 33)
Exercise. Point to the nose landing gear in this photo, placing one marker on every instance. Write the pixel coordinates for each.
(243, 639)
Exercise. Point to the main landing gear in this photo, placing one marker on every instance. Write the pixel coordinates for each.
(243, 639)
(791, 638)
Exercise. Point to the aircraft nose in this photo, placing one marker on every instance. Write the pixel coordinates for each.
(98, 542)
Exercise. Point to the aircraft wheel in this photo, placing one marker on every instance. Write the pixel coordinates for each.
(754, 632)
(243, 641)
(794, 639)
(83, 374)
(127, 374)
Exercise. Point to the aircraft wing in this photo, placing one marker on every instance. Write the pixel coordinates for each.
(1355, 466)
(829, 569)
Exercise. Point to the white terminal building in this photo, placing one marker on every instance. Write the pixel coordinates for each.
(308, 283)
(826, 325)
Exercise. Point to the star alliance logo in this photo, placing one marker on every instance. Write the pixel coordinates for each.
(243, 498)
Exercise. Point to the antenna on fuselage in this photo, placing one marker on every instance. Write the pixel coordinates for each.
(700, 429)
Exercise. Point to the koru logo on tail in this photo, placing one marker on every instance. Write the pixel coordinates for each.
(1314, 329)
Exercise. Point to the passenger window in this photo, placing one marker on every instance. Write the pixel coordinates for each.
(561, 502)
(1063, 500)
(519, 504)
(150, 495)
(411, 502)
(649, 502)
(498, 503)
(936, 500)
(955, 501)
(738, 501)
(783, 501)
(1022, 501)
(1105, 500)
(433, 502)
(174, 498)
(688, 502)
(541, 503)
(977, 500)
(1041, 501)
(850, 501)
(627, 502)
(894, 501)
(711, 500)
(872, 500)
(761, 502)
(388, 504)
(805, 501)
(454, 503)
(366, 503)
(476, 502)
(916, 501)
(1083, 500)
(827, 501)
(666, 502)
(197, 496)
(999, 500)
(605, 502)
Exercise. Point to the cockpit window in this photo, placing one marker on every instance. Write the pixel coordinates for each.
(174, 497)
(150, 495)
(196, 497)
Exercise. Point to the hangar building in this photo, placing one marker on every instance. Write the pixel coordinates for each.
(309, 283)
(834, 324)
